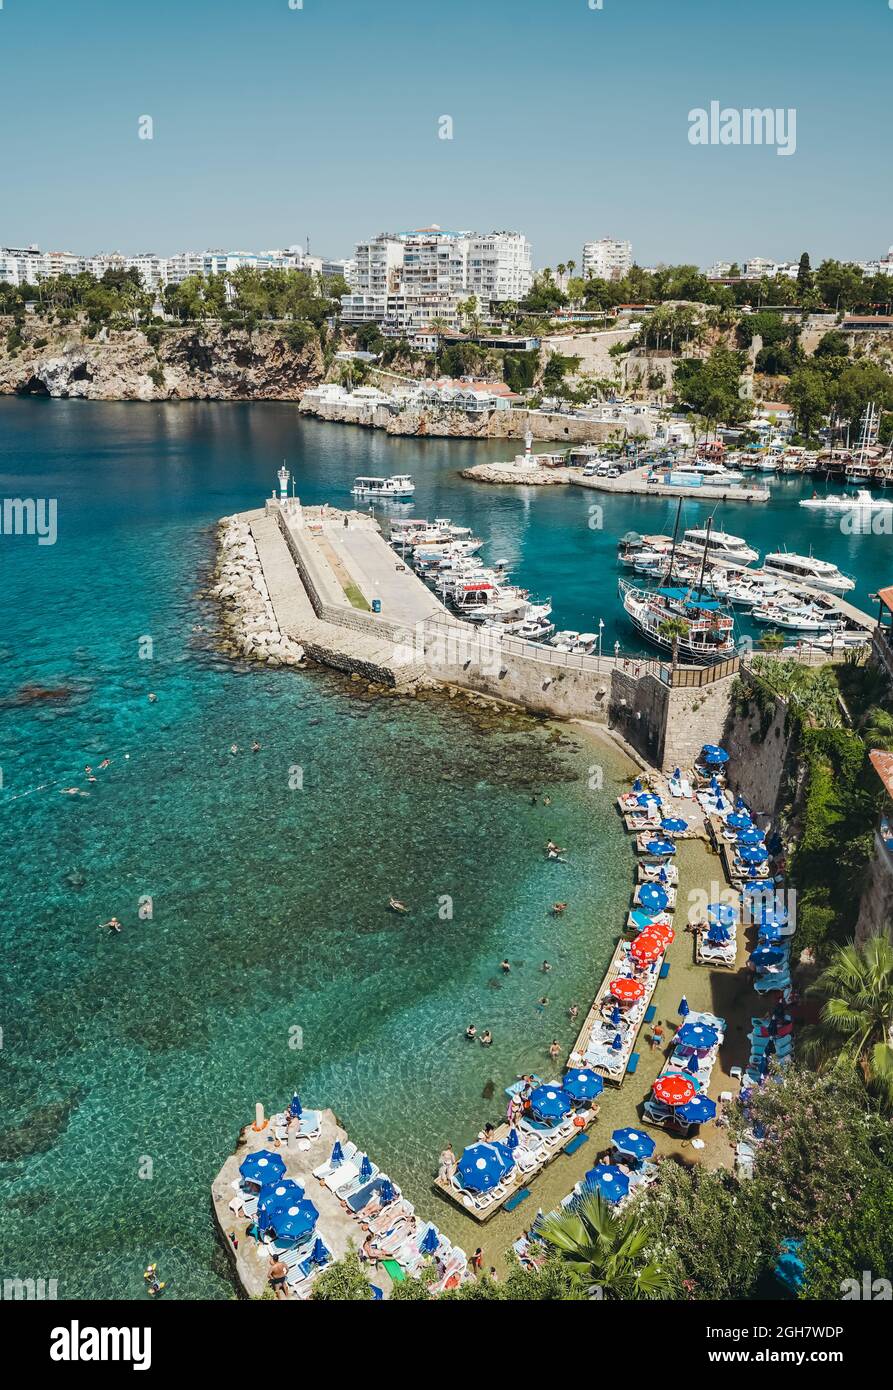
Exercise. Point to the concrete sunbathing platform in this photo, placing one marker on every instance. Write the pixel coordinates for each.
(337, 1227)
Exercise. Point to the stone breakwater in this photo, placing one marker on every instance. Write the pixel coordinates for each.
(248, 615)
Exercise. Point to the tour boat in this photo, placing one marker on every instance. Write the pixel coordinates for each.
(846, 502)
(707, 634)
(719, 545)
(398, 486)
(808, 570)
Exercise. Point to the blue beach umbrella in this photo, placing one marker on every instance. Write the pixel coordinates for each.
(750, 836)
(294, 1106)
(550, 1102)
(366, 1168)
(483, 1166)
(607, 1179)
(275, 1196)
(262, 1167)
(583, 1085)
(660, 847)
(739, 820)
(684, 1010)
(714, 755)
(697, 1110)
(767, 955)
(337, 1153)
(724, 914)
(697, 1035)
(512, 1140)
(386, 1192)
(652, 898)
(430, 1241)
(295, 1220)
(673, 825)
(633, 1141)
(753, 854)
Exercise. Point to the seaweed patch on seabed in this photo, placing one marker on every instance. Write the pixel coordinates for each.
(41, 1130)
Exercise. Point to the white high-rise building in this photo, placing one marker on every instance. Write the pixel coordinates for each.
(607, 259)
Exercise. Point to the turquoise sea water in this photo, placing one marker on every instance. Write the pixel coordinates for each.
(145, 1052)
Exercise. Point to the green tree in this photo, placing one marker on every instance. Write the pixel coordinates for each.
(605, 1251)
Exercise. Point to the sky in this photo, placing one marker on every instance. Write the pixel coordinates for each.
(273, 124)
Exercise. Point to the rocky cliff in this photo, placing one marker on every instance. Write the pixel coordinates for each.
(195, 363)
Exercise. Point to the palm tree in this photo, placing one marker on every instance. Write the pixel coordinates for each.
(856, 1021)
(605, 1252)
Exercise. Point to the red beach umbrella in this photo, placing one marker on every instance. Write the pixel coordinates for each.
(646, 948)
(673, 1089)
(627, 991)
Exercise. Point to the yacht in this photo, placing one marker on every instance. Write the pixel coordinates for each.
(806, 569)
(707, 627)
(841, 503)
(719, 545)
(399, 486)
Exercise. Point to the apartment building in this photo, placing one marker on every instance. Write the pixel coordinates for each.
(607, 259)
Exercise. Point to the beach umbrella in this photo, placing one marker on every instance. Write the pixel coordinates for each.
(512, 1141)
(739, 820)
(262, 1167)
(697, 1035)
(550, 1102)
(386, 1192)
(684, 1010)
(767, 955)
(294, 1106)
(337, 1153)
(276, 1195)
(430, 1241)
(646, 949)
(673, 825)
(697, 1110)
(751, 836)
(753, 854)
(483, 1166)
(714, 755)
(295, 1220)
(633, 1141)
(673, 1089)
(583, 1085)
(626, 990)
(724, 914)
(616, 1015)
(609, 1181)
(366, 1168)
(652, 898)
(319, 1254)
(660, 847)
(641, 920)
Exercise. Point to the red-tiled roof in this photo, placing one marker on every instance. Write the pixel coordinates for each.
(883, 766)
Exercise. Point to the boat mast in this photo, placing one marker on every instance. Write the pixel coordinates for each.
(673, 547)
(704, 557)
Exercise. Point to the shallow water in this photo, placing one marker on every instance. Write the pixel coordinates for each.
(129, 1062)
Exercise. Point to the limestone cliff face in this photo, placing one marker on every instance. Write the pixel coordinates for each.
(189, 364)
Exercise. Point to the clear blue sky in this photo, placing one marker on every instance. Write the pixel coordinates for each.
(272, 124)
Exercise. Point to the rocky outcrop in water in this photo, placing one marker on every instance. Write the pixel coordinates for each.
(248, 615)
(195, 363)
